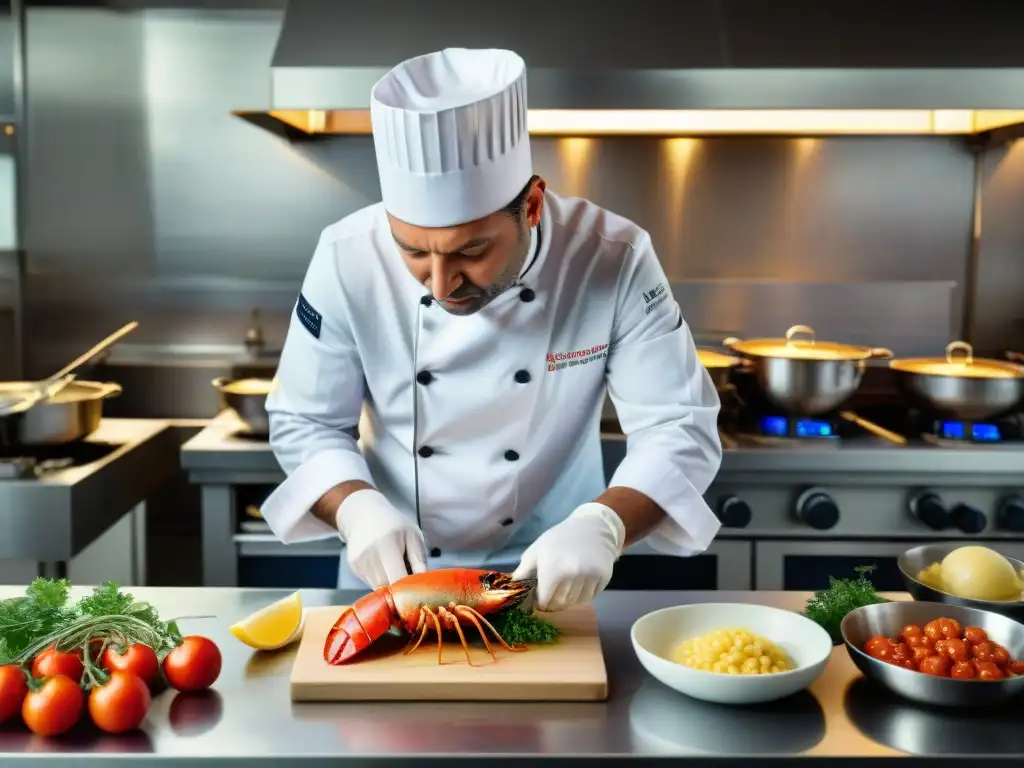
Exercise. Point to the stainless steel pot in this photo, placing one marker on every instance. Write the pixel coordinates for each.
(248, 399)
(806, 376)
(718, 365)
(72, 414)
(961, 387)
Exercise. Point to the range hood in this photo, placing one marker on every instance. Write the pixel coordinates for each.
(674, 67)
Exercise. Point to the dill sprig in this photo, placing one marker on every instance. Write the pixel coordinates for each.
(828, 607)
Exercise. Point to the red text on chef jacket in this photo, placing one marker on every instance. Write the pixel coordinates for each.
(559, 360)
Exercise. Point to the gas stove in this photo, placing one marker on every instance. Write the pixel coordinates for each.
(766, 429)
(802, 498)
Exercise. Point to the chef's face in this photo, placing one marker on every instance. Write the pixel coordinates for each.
(465, 267)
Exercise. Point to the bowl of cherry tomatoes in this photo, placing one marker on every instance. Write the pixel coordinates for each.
(937, 654)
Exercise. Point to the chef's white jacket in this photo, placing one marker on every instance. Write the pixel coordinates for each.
(485, 428)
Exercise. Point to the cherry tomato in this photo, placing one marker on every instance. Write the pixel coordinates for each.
(911, 633)
(935, 665)
(877, 644)
(975, 635)
(950, 629)
(919, 641)
(138, 659)
(921, 652)
(53, 662)
(940, 647)
(54, 708)
(983, 651)
(1000, 655)
(956, 650)
(901, 652)
(120, 704)
(13, 688)
(933, 630)
(194, 665)
(987, 670)
(962, 670)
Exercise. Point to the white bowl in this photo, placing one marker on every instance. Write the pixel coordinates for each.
(657, 634)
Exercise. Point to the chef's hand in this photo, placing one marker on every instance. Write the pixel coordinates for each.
(379, 539)
(573, 560)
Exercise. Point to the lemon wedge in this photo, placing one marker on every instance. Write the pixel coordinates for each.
(272, 627)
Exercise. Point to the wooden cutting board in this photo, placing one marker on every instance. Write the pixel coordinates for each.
(571, 669)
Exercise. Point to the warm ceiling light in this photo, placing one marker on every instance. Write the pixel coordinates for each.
(681, 122)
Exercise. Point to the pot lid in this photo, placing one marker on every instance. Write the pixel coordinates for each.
(710, 358)
(809, 348)
(965, 366)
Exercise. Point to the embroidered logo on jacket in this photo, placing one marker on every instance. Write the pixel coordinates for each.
(654, 297)
(559, 360)
(311, 319)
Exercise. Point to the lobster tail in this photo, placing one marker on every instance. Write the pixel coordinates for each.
(367, 619)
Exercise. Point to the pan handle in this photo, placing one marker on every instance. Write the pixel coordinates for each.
(880, 353)
(962, 346)
(804, 329)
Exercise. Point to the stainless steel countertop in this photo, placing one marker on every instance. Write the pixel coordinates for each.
(249, 715)
(218, 454)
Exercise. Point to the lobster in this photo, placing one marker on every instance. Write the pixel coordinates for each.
(449, 598)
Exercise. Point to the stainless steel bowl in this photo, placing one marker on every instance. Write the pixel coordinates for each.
(250, 405)
(915, 560)
(887, 619)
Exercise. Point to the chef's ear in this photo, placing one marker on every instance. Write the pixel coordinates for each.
(535, 201)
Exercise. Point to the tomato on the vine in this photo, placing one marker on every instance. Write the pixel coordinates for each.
(55, 708)
(13, 689)
(53, 662)
(138, 659)
(194, 665)
(120, 704)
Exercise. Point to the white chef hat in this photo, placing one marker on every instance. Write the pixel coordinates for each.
(449, 130)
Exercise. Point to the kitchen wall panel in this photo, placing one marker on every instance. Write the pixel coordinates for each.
(998, 317)
(149, 200)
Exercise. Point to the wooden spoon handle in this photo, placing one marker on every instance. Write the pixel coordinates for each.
(87, 356)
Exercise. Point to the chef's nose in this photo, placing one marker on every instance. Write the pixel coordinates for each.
(444, 278)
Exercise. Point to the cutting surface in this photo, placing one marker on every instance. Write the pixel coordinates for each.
(571, 669)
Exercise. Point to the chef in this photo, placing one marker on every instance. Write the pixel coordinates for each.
(438, 398)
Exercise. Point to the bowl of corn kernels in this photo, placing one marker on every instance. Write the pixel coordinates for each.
(731, 653)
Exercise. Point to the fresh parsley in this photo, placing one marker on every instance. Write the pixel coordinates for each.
(45, 617)
(517, 627)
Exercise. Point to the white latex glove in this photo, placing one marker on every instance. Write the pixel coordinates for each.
(379, 538)
(573, 560)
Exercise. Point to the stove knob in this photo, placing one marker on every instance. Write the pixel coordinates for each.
(968, 519)
(733, 512)
(1011, 514)
(817, 509)
(929, 509)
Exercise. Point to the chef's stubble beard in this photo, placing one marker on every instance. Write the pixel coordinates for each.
(505, 280)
